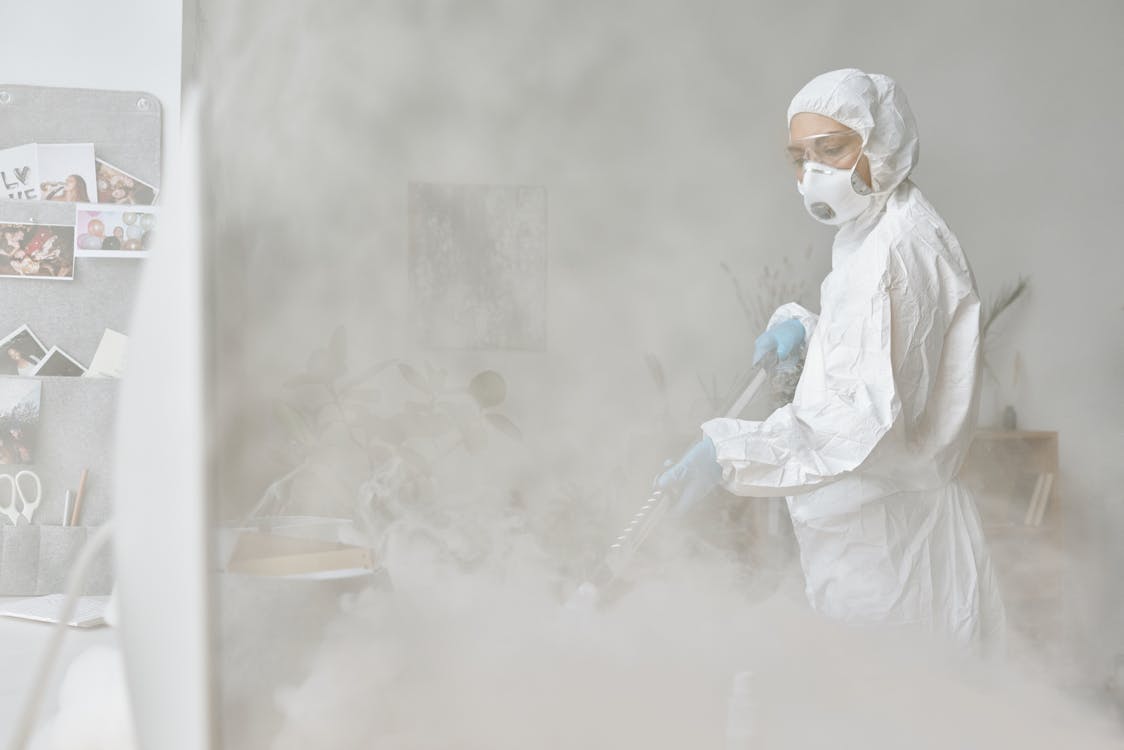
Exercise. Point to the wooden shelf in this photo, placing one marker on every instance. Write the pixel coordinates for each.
(1015, 435)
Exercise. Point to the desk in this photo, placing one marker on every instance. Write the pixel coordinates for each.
(21, 647)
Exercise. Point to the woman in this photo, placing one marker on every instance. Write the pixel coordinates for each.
(869, 449)
(114, 241)
(72, 189)
(25, 363)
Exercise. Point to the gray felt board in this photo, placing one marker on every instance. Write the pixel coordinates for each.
(77, 414)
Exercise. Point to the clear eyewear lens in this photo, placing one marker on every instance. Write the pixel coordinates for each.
(840, 149)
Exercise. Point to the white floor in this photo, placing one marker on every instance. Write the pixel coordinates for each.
(21, 647)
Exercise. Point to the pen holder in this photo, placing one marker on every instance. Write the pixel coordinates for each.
(37, 559)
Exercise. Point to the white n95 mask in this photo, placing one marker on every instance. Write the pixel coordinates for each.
(833, 195)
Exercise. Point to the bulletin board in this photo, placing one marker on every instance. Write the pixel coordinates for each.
(76, 427)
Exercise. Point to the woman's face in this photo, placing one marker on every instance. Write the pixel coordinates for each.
(819, 138)
(14, 354)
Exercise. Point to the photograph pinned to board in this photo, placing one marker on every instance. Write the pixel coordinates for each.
(116, 186)
(112, 232)
(37, 251)
(19, 172)
(21, 351)
(66, 172)
(110, 358)
(19, 419)
(57, 363)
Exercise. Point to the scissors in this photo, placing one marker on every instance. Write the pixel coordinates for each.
(28, 506)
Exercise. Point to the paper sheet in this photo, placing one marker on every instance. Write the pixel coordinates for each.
(110, 358)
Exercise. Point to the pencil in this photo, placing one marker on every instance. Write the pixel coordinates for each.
(78, 498)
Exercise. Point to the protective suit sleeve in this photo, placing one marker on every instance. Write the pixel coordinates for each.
(793, 310)
(845, 403)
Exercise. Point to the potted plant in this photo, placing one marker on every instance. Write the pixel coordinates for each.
(361, 449)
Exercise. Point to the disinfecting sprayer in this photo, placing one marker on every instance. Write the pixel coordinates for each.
(649, 515)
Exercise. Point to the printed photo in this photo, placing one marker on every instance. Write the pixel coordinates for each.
(66, 172)
(21, 351)
(58, 363)
(103, 232)
(37, 251)
(19, 173)
(116, 186)
(19, 419)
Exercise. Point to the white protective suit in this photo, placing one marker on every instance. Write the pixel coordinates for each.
(869, 449)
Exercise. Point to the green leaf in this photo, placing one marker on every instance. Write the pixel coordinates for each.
(358, 413)
(414, 378)
(387, 430)
(415, 459)
(504, 425)
(656, 371)
(416, 407)
(1003, 302)
(474, 437)
(319, 365)
(364, 395)
(488, 388)
(379, 454)
(367, 373)
(423, 425)
(327, 415)
(294, 422)
(438, 378)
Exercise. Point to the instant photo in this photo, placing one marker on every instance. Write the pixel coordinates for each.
(118, 187)
(57, 363)
(66, 172)
(21, 352)
(37, 251)
(19, 419)
(112, 232)
(19, 172)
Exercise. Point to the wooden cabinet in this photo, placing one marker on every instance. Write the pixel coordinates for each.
(1014, 475)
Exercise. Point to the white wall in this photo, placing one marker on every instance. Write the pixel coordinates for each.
(131, 45)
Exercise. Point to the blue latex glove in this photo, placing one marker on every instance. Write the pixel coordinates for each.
(783, 338)
(694, 475)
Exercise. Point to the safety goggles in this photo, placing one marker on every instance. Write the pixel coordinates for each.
(839, 149)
